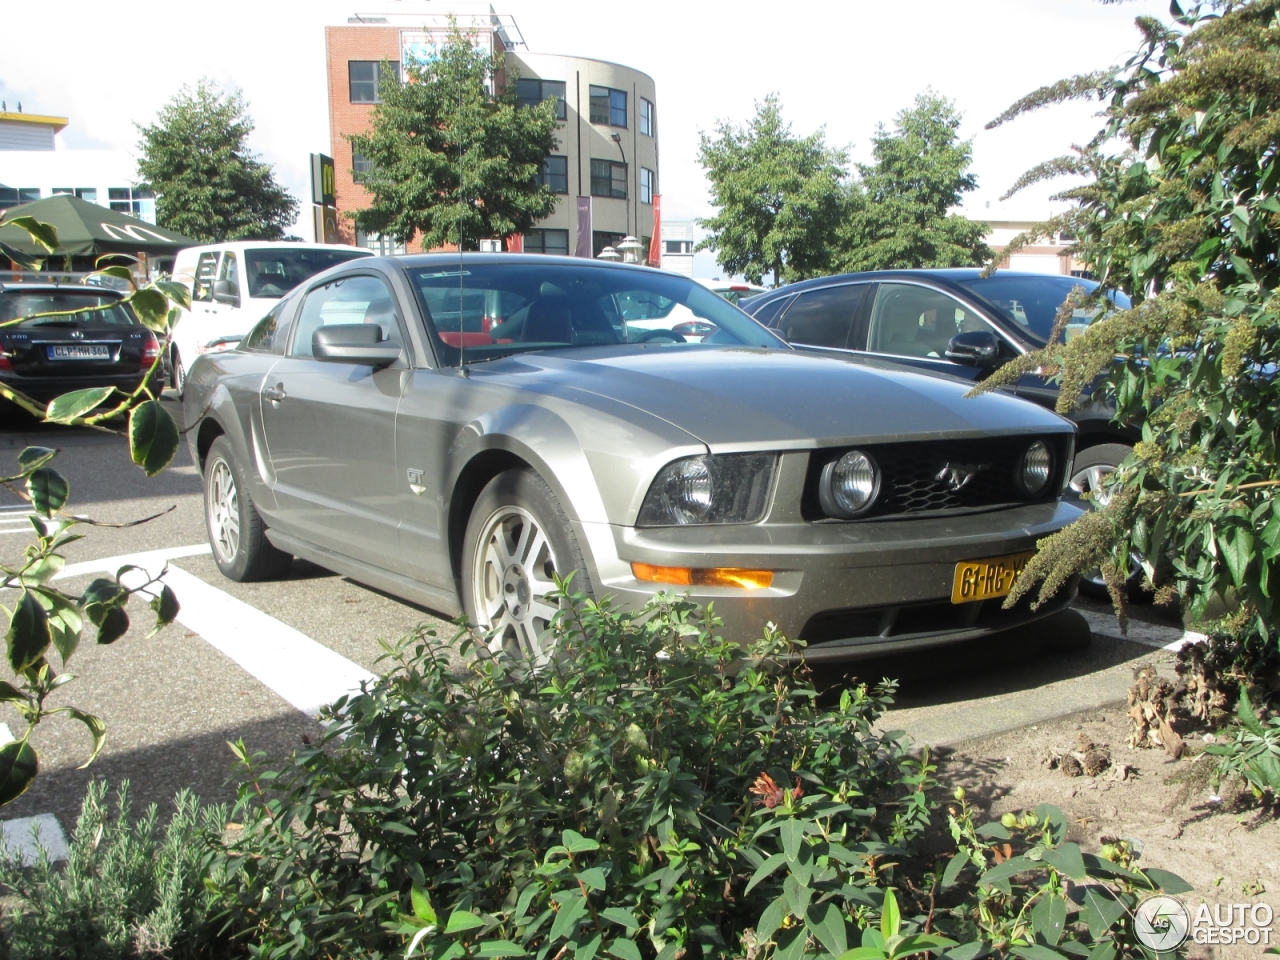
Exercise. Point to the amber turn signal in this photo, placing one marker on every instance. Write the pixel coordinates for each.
(707, 577)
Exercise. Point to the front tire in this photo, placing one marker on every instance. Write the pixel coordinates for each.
(517, 539)
(1091, 473)
(236, 531)
(177, 372)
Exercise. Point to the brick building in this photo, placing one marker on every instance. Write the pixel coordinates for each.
(604, 169)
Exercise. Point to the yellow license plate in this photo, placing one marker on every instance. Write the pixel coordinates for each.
(992, 577)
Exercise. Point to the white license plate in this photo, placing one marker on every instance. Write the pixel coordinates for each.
(79, 351)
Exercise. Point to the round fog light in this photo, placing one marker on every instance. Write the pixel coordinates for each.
(1035, 469)
(849, 486)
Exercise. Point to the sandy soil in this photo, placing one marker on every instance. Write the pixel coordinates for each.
(1226, 849)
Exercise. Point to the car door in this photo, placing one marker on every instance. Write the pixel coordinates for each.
(823, 318)
(330, 427)
(913, 324)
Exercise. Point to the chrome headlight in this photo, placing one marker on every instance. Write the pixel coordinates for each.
(1034, 469)
(725, 488)
(849, 486)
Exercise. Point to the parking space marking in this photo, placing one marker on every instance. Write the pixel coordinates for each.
(305, 673)
(1148, 634)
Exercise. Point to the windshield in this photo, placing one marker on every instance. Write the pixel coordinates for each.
(15, 305)
(274, 272)
(1032, 302)
(491, 310)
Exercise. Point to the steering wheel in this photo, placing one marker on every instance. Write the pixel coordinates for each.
(660, 335)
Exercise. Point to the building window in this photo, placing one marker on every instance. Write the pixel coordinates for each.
(366, 78)
(646, 117)
(601, 239)
(361, 167)
(380, 245)
(555, 174)
(13, 196)
(648, 184)
(89, 194)
(136, 201)
(677, 246)
(608, 106)
(608, 179)
(532, 92)
(547, 241)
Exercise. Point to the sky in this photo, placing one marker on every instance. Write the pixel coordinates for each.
(841, 65)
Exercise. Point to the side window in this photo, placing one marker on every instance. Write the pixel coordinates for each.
(267, 335)
(230, 271)
(347, 300)
(823, 318)
(916, 321)
(206, 267)
(770, 310)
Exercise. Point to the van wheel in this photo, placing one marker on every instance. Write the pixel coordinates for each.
(517, 540)
(236, 531)
(177, 372)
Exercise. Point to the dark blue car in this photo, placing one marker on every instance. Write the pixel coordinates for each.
(952, 322)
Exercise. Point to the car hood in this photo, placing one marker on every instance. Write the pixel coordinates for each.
(738, 397)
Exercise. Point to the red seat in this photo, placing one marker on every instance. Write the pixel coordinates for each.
(455, 339)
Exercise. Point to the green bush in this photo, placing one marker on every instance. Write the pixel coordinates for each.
(1253, 754)
(127, 889)
(632, 797)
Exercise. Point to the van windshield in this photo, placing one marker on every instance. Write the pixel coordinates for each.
(274, 272)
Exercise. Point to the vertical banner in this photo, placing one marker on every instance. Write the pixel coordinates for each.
(655, 239)
(515, 243)
(323, 181)
(583, 248)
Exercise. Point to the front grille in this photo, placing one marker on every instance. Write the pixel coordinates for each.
(871, 624)
(917, 477)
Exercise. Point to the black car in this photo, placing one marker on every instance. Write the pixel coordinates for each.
(951, 322)
(101, 344)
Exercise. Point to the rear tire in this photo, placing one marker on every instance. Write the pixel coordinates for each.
(1089, 474)
(236, 531)
(517, 537)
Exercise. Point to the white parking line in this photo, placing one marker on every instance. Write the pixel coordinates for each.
(305, 673)
(1148, 634)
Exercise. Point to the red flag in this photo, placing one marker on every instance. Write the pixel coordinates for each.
(515, 243)
(655, 241)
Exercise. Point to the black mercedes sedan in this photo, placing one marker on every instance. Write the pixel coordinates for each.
(55, 338)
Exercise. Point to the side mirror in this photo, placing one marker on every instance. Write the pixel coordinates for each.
(224, 291)
(976, 348)
(359, 343)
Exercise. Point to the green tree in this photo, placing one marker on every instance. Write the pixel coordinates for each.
(778, 197)
(897, 212)
(1180, 210)
(450, 158)
(208, 184)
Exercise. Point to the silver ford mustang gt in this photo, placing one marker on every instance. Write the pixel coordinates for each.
(457, 430)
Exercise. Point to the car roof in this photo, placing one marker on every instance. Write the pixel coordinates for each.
(242, 245)
(945, 275)
(414, 260)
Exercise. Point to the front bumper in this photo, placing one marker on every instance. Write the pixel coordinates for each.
(848, 589)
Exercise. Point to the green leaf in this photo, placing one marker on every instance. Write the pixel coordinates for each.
(828, 925)
(43, 570)
(575, 842)
(153, 436)
(117, 271)
(973, 950)
(890, 918)
(1236, 546)
(9, 693)
(48, 490)
(1048, 918)
(28, 637)
(41, 233)
(115, 624)
(98, 596)
(620, 916)
(18, 767)
(500, 948)
(166, 608)
(588, 950)
(623, 949)
(592, 879)
(1171, 882)
(151, 306)
(422, 908)
(395, 826)
(954, 869)
(1036, 952)
(75, 404)
(1002, 872)
(1104, 951)
(863, 953)
(792, 834)
(24, 260)
(790, 945)
(1066, 859)
(176, 292)
(798, 895)
(771, 919)
(995, 831)
(64, 628)
(571, 910)
(32, 457)
(765, 869)
(1099, 909)
(920, 942)
(97, 729)
(461, 921)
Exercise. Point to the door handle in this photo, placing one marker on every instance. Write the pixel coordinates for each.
(275, 394)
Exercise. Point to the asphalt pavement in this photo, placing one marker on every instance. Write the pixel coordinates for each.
(252, 661)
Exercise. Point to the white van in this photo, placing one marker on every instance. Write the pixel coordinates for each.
(234, 285)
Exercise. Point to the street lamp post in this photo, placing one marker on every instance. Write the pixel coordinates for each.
(617, 138)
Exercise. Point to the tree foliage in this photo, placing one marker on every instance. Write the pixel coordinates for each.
(897, 212)
(1180, 210)
(779, 197)
(208, 184)
(452, 160)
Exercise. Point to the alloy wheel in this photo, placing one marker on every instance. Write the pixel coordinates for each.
(1093, 480)
(512, 580)
(224, 511)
